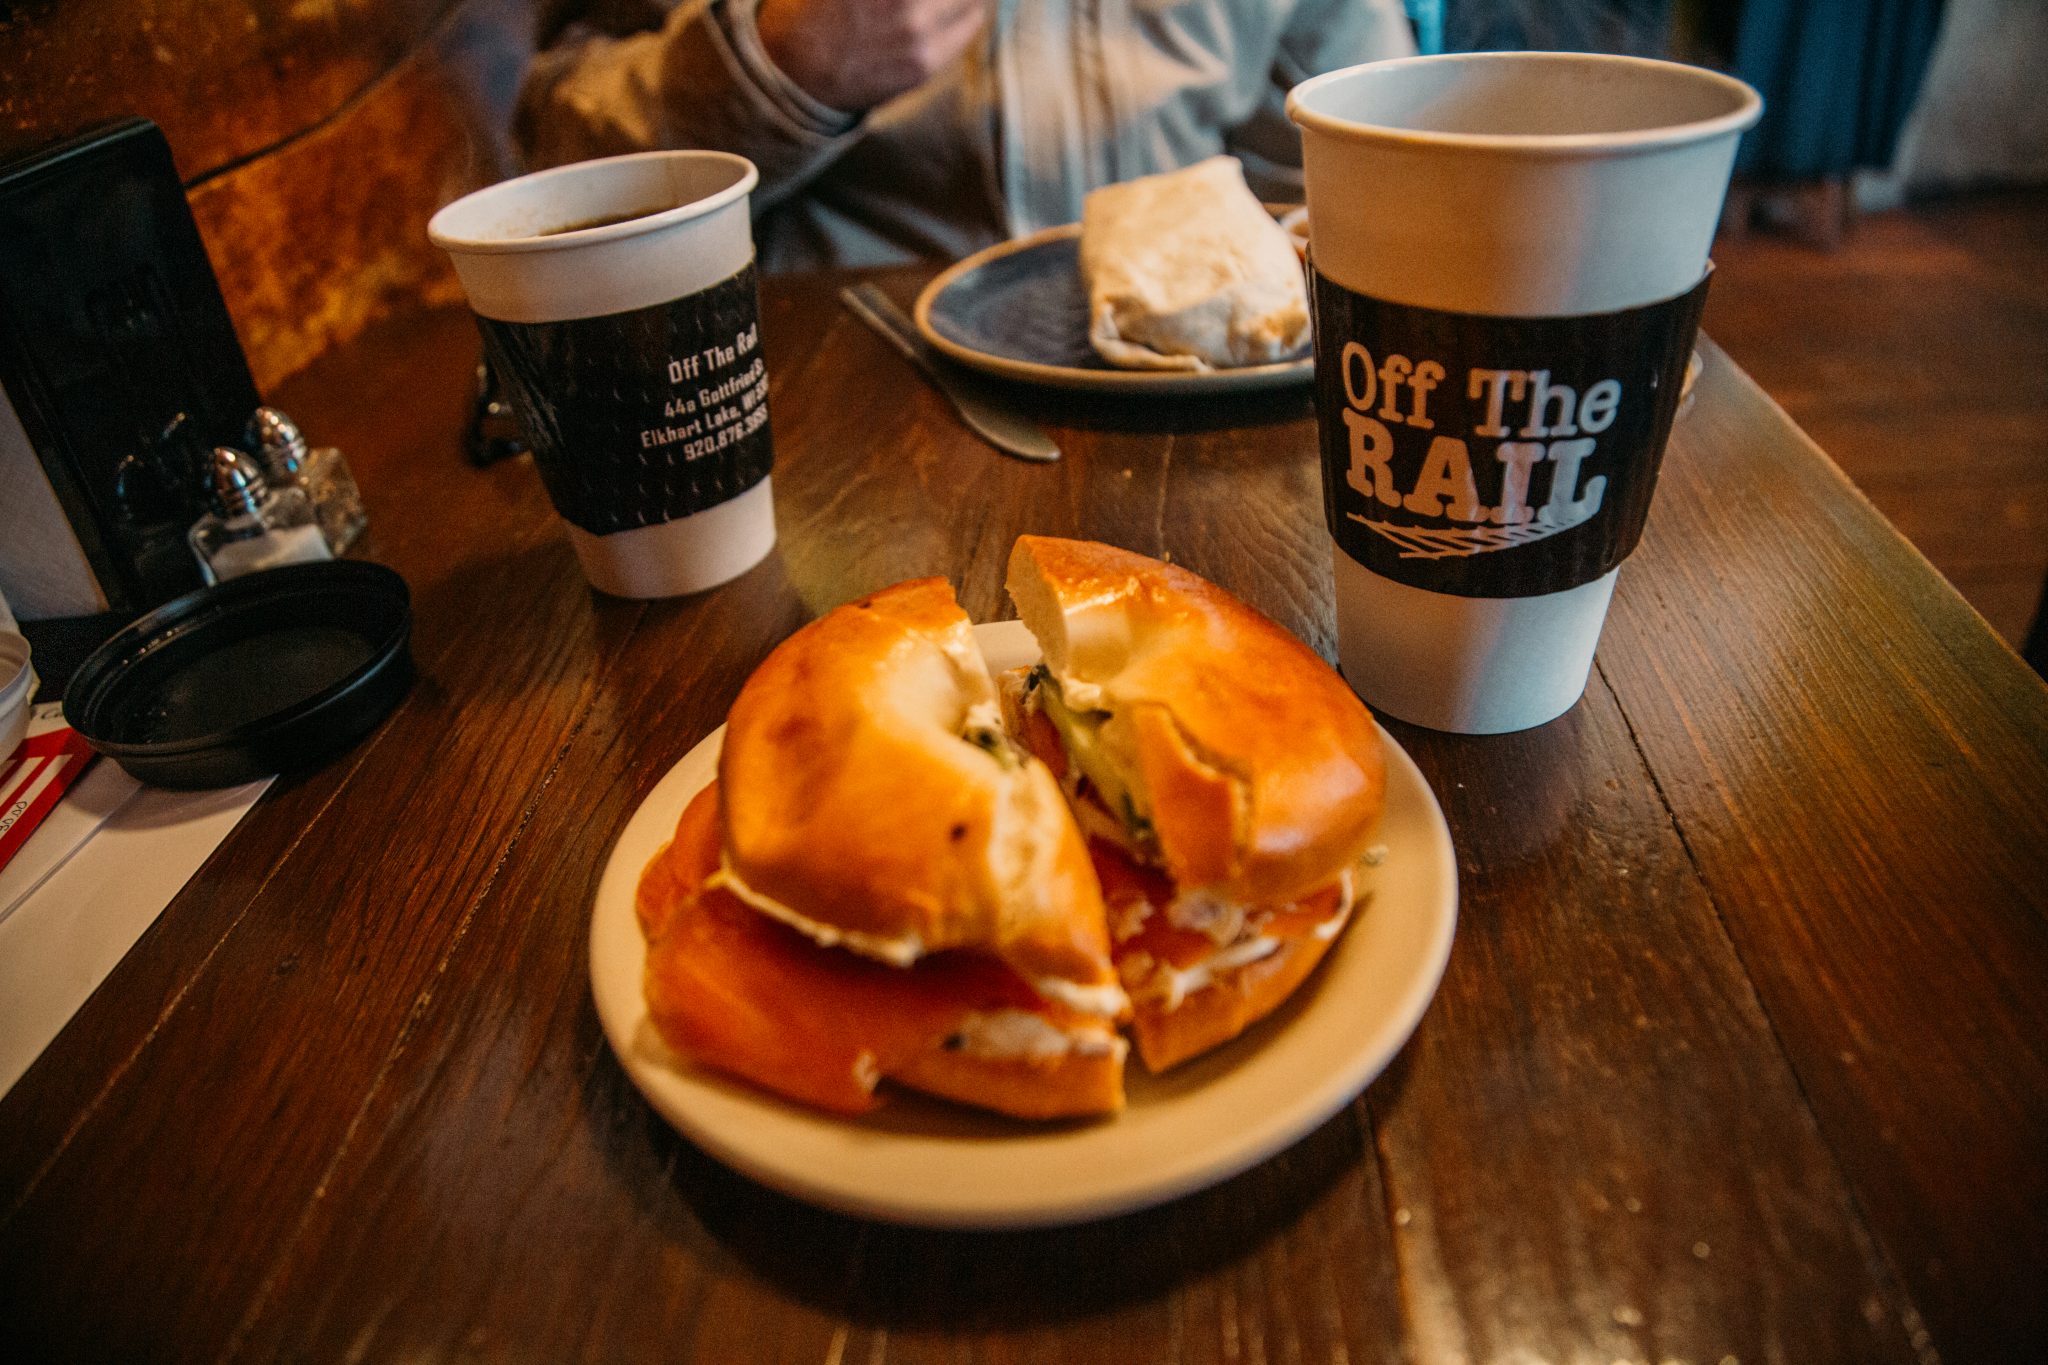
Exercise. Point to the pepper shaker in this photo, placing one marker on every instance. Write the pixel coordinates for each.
(252, 525)
(321, 472)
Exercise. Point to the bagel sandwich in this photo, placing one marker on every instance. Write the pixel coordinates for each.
(1230, 784)
(882, 885)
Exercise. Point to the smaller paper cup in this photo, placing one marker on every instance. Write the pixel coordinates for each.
(1509, 258)
(619, 309)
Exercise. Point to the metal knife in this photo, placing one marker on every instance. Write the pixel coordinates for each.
(985, 415)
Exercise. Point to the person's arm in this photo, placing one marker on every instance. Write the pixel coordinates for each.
(1321, 35)
(781, 82)
(700, 79)
(856, 54)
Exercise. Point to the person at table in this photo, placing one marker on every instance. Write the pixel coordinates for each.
(892, 129)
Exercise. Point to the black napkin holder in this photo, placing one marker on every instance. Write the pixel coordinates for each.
(119, 370)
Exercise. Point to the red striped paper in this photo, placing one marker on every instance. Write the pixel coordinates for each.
(33, 779)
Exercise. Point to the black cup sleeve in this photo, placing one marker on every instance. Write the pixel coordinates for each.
(1491, 456)
(642, 417)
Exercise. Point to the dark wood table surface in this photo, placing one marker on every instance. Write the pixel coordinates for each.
(1741, 1054)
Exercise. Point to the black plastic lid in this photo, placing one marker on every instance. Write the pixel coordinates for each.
(271, 672)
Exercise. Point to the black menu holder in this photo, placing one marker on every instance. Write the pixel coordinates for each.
(119, 370)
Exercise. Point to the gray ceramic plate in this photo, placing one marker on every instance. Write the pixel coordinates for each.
(1018, 310)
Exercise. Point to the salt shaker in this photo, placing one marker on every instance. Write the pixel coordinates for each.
(321, 472)
(252, 525)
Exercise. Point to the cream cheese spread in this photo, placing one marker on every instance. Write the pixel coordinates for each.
(897, 951)
(1107, 1000)
(1005, 1034)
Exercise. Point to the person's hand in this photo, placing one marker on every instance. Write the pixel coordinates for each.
(854, 54)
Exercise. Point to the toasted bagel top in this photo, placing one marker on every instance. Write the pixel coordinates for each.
(1259, 769)
(873, 801)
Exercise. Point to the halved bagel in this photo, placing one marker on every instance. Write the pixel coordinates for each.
(887, 882)
(1199, 967)
(1238, 760)
(1195, 988)
(734, 990)
(874, 802)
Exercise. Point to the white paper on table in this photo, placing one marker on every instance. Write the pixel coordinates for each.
(89, 903)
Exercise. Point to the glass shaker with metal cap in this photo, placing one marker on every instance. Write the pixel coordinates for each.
(252, 525)
(320, 471)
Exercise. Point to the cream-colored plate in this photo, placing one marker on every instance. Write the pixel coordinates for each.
(921, 1161)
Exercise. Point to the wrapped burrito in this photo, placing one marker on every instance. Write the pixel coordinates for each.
(1187, 271)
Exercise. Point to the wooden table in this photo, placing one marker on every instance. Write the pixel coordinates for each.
(1742, 1052)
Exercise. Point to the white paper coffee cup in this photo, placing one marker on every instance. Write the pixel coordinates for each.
(619, 309)
(1476, 220)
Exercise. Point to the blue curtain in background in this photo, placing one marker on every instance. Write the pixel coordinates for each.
(1838, 79)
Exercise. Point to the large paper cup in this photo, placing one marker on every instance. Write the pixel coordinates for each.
(1510, 257)
(618, 306)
